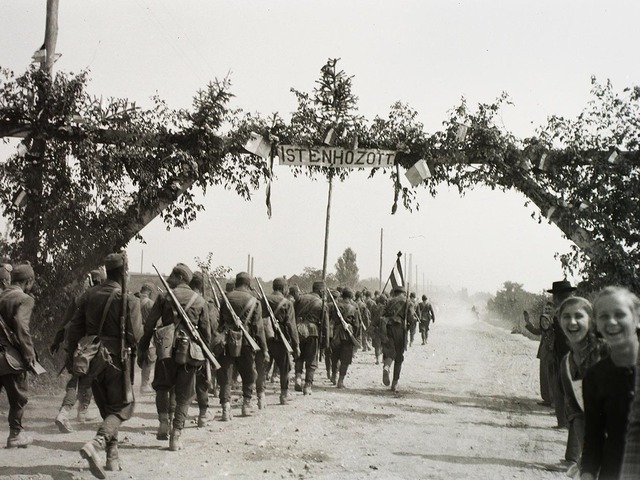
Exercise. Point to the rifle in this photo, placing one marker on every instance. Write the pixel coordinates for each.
(321, 339)
(345, 325)
(274, 321)
(191, 329)
(236, 319)
(125, 350)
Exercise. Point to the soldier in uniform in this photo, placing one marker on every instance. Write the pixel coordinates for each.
(16, 306)
(178, 371)
(413, 319)
(99, 311)
(365, 318)
(149, 360)
(77, 388)
(203, 376)
(375, 328)
(341, 345)
(394, 334)
(285, 315)
(309, 318)
(249, 311)
(425, 315)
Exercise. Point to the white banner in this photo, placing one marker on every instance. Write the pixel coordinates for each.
(336, 157)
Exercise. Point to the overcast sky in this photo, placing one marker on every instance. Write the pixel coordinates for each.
(427, 54)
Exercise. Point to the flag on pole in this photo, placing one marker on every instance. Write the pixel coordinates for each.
(397, 277)
(418, 173)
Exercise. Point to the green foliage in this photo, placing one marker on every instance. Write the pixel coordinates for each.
(509, 303)
(347, 269)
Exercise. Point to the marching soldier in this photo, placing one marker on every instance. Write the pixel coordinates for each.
(309, 318)
(364, 316)
(100, 312)
(203, 376)
(238, 352)
(394, 325)
(77, 388)
(16, 306)
(178, 370)
(375, 328)
(426, 315)
(413, 319)
(285, 315)
(341, 345)
(149, 360)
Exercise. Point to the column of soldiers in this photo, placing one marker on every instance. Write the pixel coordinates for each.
(243, 327)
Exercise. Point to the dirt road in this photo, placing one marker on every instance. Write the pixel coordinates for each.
(466, 409)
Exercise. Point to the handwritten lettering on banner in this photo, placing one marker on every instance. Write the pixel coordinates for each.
(335, 157)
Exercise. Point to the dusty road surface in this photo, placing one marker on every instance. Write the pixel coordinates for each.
(466, 409)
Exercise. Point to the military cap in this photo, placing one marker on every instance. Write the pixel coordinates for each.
(412, 295)
(5, 274)
(228, 287)
(243, 278)
(318, 286)
(96, 274)
(113, 261)
(347, 292)
(424, 297)
(22, 272)
(147, 287)
(184, 271)
(278, 283)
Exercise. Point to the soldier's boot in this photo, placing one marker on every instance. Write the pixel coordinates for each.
(163, 427)
(333, 377)
(262, 401)
(18, 439)
(247, 408)
(62, 420)
(386, 380)
(91, 451)
(175, 443)
(226, 412)
(329, 374)
(82, 413)
(394, 386)
(203, 417)
(284, 397)
(113, 459)
(298, 385)
(341, 381)
(307, 388)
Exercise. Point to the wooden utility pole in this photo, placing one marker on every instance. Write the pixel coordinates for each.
(36, 148)
(380, 278)
(326, 230)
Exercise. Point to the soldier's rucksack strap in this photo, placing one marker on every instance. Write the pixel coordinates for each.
(248, 309)
(279, 307)
(191, 301)
(106, 311)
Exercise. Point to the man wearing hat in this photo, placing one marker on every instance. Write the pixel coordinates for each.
(149, 360)
(204, 380)
(176, 372)
(99, 312)
(394, 324)
(16, 306)
(309, 320)
(248, 309)
(341, 345)
(560, 290)
(77, 388)
(283, 310)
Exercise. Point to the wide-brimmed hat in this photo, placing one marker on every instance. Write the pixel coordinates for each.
(561, 286)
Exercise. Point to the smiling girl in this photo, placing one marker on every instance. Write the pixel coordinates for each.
(576, 321)
(609, 385)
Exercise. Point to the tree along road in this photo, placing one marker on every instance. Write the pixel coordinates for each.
(466, 408)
